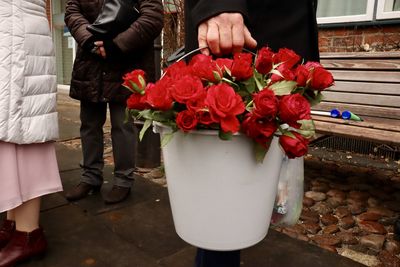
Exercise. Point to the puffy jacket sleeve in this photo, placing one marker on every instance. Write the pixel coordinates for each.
(145, 29)
(76, 22)
(205, 9)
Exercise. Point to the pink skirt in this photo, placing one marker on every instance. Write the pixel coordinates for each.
(27, 172)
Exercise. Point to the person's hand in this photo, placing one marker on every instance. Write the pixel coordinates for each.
(224, 34)
(99, 49)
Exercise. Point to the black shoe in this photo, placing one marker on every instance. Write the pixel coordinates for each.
(117, 194)
(80, 191)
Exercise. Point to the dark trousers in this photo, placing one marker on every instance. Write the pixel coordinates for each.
(93, 116)
(211, 258)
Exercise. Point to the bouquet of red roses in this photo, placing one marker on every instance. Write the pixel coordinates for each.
(259, 95)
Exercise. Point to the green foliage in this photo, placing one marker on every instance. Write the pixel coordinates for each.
(283, 87)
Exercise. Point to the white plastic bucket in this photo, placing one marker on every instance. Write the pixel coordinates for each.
(221, 198)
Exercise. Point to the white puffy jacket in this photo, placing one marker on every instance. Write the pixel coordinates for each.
(27, 74)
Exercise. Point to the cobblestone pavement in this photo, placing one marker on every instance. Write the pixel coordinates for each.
(350, 210)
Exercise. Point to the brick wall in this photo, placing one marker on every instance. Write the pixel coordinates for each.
(48, 11)
(360, 38)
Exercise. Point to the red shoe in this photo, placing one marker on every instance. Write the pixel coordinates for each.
(6, 231)
(23, 246)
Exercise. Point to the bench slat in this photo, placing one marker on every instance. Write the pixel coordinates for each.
(366, 99)
(369, 122)
(380, 112)
(367, 76)
(375, 135)
(365, 87)
(363, 55)
(366, 64)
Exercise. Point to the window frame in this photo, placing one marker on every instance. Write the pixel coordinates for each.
(381, 14)
(368, 16)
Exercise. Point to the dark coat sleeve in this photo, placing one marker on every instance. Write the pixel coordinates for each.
(205, 9)
(77, 23)
(144, 30)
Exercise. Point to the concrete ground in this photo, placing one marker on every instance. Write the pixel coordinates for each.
(139, 232)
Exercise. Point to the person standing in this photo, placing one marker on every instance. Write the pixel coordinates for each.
(226, 27)
(28, 127)
(96, 81)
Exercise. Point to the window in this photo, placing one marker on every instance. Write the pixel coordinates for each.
(388, 9)
(342, 11)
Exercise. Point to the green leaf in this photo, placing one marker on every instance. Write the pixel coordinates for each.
(228, 71)
(316, 99)
(260, 152)
(307, 128)
(147, 114)
(276, 72)
(283, 87)
(136, 88)
(142, 81)
(217, 76)
(224, 136)
(166, 138)
(258, 78)
(233, 84)
(250, 85)
(146, 126)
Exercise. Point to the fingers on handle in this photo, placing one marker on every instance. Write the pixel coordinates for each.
(249, 41)
(213, 41)
(202, 38)
(238, 37)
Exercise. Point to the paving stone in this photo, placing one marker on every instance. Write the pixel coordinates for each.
(392, 246)
(373, 241)
(369, 216)
(346, 222)
(316, 196)
(329, 219)
(372, 227)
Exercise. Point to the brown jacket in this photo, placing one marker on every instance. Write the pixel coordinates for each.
(99, 80)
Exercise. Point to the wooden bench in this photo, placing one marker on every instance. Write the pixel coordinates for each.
(367, 84)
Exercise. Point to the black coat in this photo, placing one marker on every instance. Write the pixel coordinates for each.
(276, 23)
(99, 80)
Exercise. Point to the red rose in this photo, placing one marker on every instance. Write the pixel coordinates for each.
(136, 77)
(264, 60)
(321, 79)
(302, 75)
(287, 57)
(136, 101)
(286, 74)
(224, 63)
(177, 70)
(266, 104)
(187, 88)
(224, 104)
(242, 68)
(205, 68)
(312, 64)
(258, 129)
(186, 120)
(158, 96)
(205, 118)
(294, 107)
(197, 104)
(294, 147)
